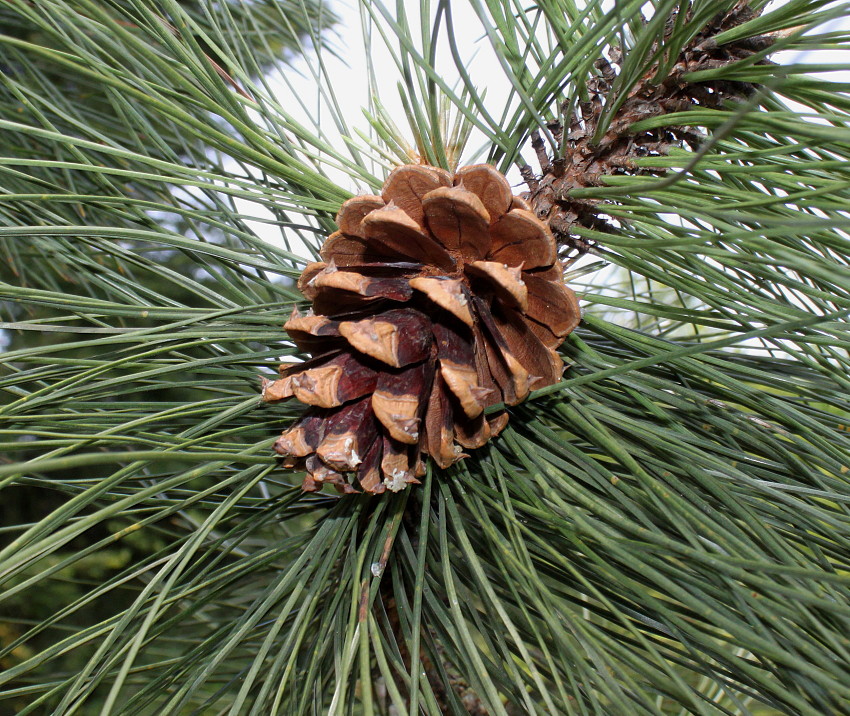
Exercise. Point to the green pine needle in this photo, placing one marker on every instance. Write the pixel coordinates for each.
(666, 531)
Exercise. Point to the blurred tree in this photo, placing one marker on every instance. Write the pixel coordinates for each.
(663, 532)
(86, 102)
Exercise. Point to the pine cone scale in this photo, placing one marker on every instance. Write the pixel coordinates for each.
(439, 427)
(543, 364)
(456, 356)
(302, 439)
(552, 305)
(369, 473)
(505, 282)
(459, 221)
(399, 401)
(348, 438)
(397, 337)
(519, 238)
(472, 433)
(395, 465)
(391, 230)
(351, 215)
(462, 381)
(447, 293)
(342, 379)
(311, 332)
(510, 375)
(488, 184)
(406, 186)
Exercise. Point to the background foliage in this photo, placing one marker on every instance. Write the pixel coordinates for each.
(664, 532)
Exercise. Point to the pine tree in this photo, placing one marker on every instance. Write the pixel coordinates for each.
(663, 530)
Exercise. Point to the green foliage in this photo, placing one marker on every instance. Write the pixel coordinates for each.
(666, 531)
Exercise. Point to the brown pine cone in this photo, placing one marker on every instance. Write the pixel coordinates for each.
(437, 299)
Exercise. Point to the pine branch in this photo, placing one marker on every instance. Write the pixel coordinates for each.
(665, 530)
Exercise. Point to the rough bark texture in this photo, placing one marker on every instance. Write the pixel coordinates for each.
(585, 162)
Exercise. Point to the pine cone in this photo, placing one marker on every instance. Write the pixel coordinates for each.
(437, 299)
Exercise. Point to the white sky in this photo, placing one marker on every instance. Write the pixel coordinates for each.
(298, 91)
